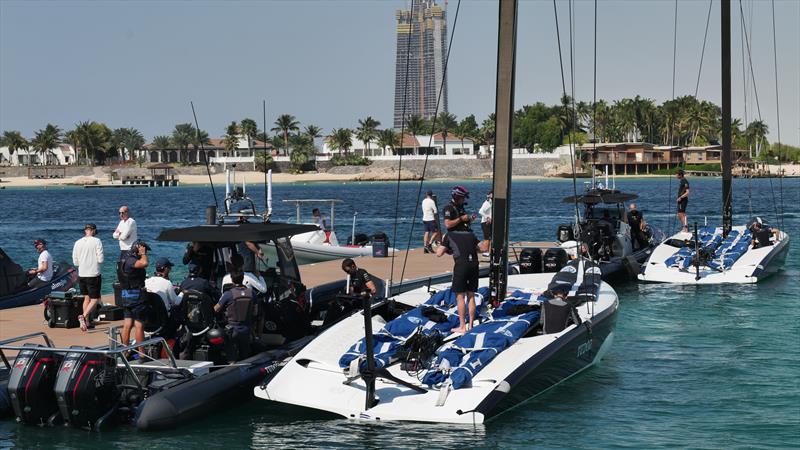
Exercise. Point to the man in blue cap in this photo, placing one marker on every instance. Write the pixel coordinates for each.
(196, 282)
(159, 284)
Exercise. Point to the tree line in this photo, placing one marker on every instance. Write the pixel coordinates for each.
(684, 121)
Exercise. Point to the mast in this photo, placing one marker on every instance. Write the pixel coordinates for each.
(727, 210)
(504, 114)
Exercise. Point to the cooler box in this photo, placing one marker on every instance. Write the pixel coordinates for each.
(110, 313)
(380, 248)
(117, 294)
(64, 312)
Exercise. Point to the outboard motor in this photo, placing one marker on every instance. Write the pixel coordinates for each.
(30, 385)
(554, 259)
(360, 240)
(530, 260)
(86, 389)
(565, 233)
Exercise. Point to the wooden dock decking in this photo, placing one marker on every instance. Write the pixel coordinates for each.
(30, 319)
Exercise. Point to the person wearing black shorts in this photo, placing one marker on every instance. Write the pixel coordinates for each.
(87, 256)
(464, 246)
(683, 199)
(132, 275)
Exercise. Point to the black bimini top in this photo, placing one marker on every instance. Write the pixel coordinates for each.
(596, 196)
(235, 232)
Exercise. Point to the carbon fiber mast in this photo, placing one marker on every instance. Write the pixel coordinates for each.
(504, 114)
(727, 210)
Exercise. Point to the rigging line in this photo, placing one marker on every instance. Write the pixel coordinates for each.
(564, 90)
(572, 70)
(674, 47)
(703, 53)
(777, 114)
(430, 140)
(758, 106)
(746, 117)
(205, 157)
(594, 98)
(402, 140)
(266, 195)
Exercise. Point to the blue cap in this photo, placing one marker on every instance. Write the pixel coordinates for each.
(163, 263)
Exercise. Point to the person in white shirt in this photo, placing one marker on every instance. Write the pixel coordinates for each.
(160, 284)
(429, 222)
(126, 230)
(43, 273)
(87, 256)
(486, 219)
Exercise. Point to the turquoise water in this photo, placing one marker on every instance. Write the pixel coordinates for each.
(699, 367)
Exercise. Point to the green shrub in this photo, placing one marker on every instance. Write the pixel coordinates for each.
(263, 162)
(350, 160)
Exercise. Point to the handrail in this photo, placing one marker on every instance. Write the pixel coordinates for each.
(22, 338)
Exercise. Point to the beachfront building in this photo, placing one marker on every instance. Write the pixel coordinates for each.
(63, 154)
(410, 145)
(419, 61)
(712, 154)
(244, 152)
(639, 158)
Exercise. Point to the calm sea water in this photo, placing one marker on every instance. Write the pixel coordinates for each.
(699, 367)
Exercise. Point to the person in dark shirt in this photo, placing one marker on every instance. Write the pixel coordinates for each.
(761, 235)
(637, 226)
(360, 280)
(196, 282)
(202, 255)
(455, 216)
(237, 306)
(464, 246)
(683, 199)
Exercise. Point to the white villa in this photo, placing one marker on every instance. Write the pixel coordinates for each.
(64, 154)
(243, 153)
(411, 145)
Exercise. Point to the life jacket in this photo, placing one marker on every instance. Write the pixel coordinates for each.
(130, 277)
(240, 309)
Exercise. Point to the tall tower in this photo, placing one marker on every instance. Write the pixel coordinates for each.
(419, 65)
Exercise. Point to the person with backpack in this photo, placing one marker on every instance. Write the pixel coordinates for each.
(236, 305)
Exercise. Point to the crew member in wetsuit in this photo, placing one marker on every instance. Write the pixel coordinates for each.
(683, 199)
(455, 216)
(464, 246)
(637, 226)
(131, 274)
(761, 235)
(237, 306)
(360, 280)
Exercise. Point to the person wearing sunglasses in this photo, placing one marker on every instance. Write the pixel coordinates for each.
(126, 231)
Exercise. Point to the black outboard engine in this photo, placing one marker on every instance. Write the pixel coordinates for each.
(86, 389)
(554, 259)
(30, 385)
(565, 233)
(530, 260)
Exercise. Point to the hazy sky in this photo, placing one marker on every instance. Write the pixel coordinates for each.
(329, 63)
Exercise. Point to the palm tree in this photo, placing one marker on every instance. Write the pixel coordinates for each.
(446, 122)
(249, 130)
(757, 135)
(230, 141)
(45, 139)
(95, 138)
(341, 139)
(416, 125)
(14, 141)
(182, 137)
(199, 139)
(366, 131)
(284, 124)
(488, 127)
(388, 138)
(129, 139)
(312, 132)
(162, 143)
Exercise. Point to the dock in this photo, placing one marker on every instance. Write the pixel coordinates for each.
(420, 269)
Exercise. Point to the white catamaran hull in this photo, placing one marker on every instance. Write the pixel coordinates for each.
(313, 247)
(530, 366)
(753, 266)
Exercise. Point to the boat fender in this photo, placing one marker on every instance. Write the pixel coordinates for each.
(632, 267)
(444, 391)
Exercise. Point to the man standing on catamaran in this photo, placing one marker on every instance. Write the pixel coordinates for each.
(683, 199)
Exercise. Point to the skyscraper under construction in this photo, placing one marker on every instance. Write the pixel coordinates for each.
(419, 66)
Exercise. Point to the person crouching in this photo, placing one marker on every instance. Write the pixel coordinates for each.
(237, 306)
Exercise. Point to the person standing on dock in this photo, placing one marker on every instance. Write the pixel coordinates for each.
(43, 272)
(486, 219)
(126, 231)
(87, 256)
(683, 199)
(455, 216)
(429, 222)
(131, 273)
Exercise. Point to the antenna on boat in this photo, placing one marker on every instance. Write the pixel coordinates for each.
(267, 173)
(269, 195)
(205, 156)
(504, 116)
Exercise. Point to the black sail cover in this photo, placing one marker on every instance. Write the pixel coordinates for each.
(580, 278)
(11, 275)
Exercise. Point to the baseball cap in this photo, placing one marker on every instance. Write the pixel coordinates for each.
(430, 192)
(140, 243)
(39, 241)
(90, 226)
(163, 263)
(460, 191)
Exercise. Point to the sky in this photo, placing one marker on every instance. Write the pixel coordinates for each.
(329, 63)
